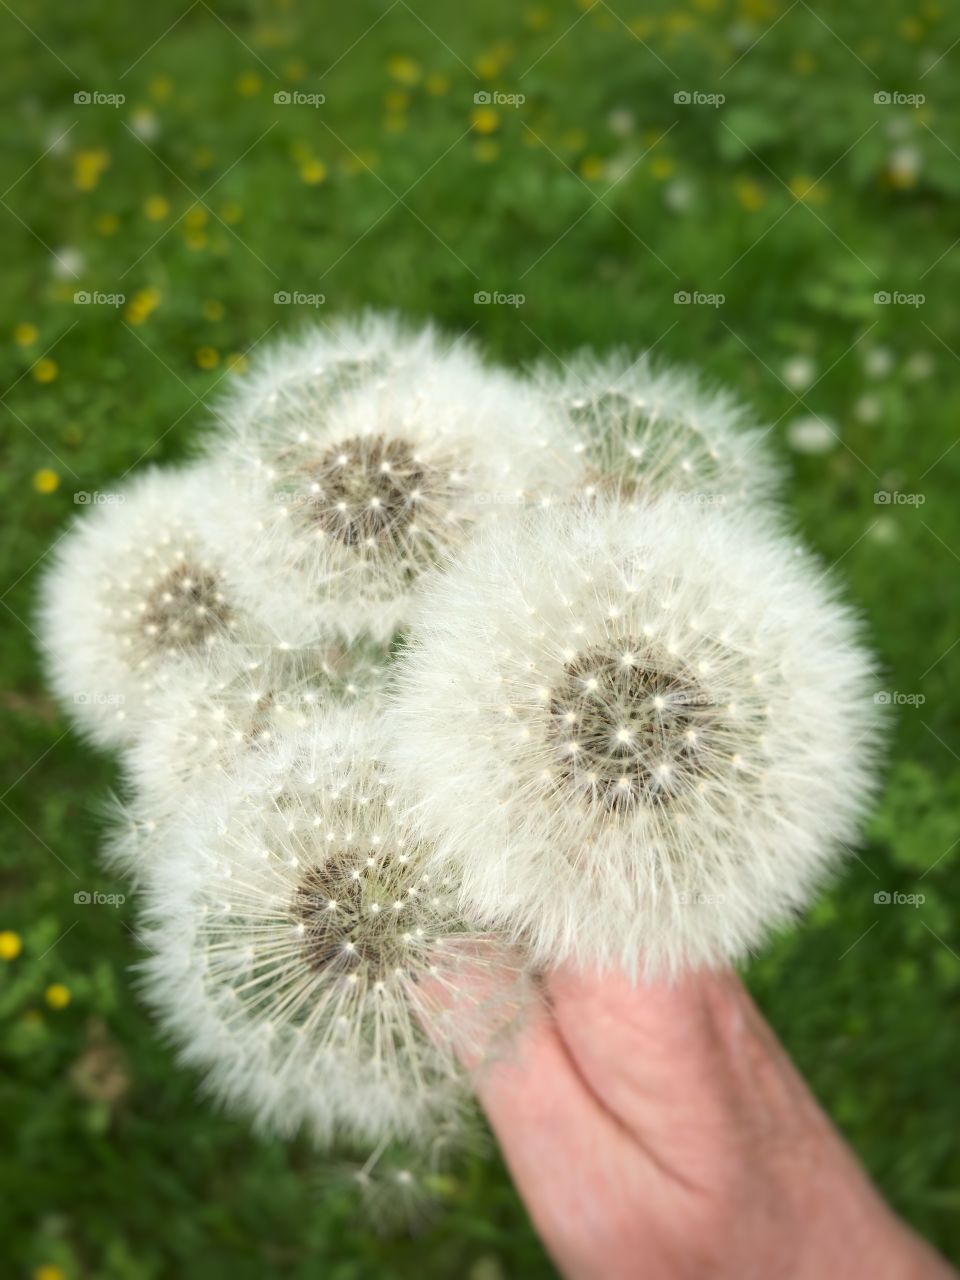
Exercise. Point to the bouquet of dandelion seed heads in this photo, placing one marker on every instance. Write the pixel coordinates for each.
(628, 724)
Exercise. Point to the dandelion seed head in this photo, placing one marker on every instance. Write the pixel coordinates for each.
(640, 431)
(661, 807)
(138, 591)
(362, 454)
(258, 921)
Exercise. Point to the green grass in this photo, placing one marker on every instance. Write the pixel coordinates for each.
(114, 1168)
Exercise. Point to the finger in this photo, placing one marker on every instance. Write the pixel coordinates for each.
(577, 1169)
(665, 1058)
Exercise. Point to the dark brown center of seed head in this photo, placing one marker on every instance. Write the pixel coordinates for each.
(366, 490)
(628, 726)
(348, 926)
(186, 608)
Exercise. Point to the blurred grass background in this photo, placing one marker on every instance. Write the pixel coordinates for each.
(598, 198)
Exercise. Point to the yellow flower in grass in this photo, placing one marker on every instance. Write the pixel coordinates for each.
(11, 943)
(249, 84)
(750, 194)
(207, 357)
(485, 120)
(490, 64)
(437, 84)
(25, 335)
(396, 100)
(662, 167)
(313, 172)
(803, 187)
(212, 310)
(404, 69)
(88, 166)
(57, 995)
(231, 212)
(46, 481)
(759, 10)
(161, 87)
(537, 18)
(592, 168)
(141, 305)
(156, 208)
(49, 1271)
(106, 224)
(196, 216)
(45, 370)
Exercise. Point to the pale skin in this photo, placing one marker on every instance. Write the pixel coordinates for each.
(660, 1132)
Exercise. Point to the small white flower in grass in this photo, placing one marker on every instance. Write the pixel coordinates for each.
(299, 947)
(799, 372)
(363, 452)
(640, 738)
(136, 589)
(812, 434)
(639, 430)
(919, 365)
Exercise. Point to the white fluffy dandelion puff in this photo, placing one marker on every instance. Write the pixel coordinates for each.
(640, 737)
(399, 1188)
(640, 430)
(295, 939)
(211, 715)
(363, 452)
(135, 590)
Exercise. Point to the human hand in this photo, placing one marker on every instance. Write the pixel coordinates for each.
(662, 1132)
